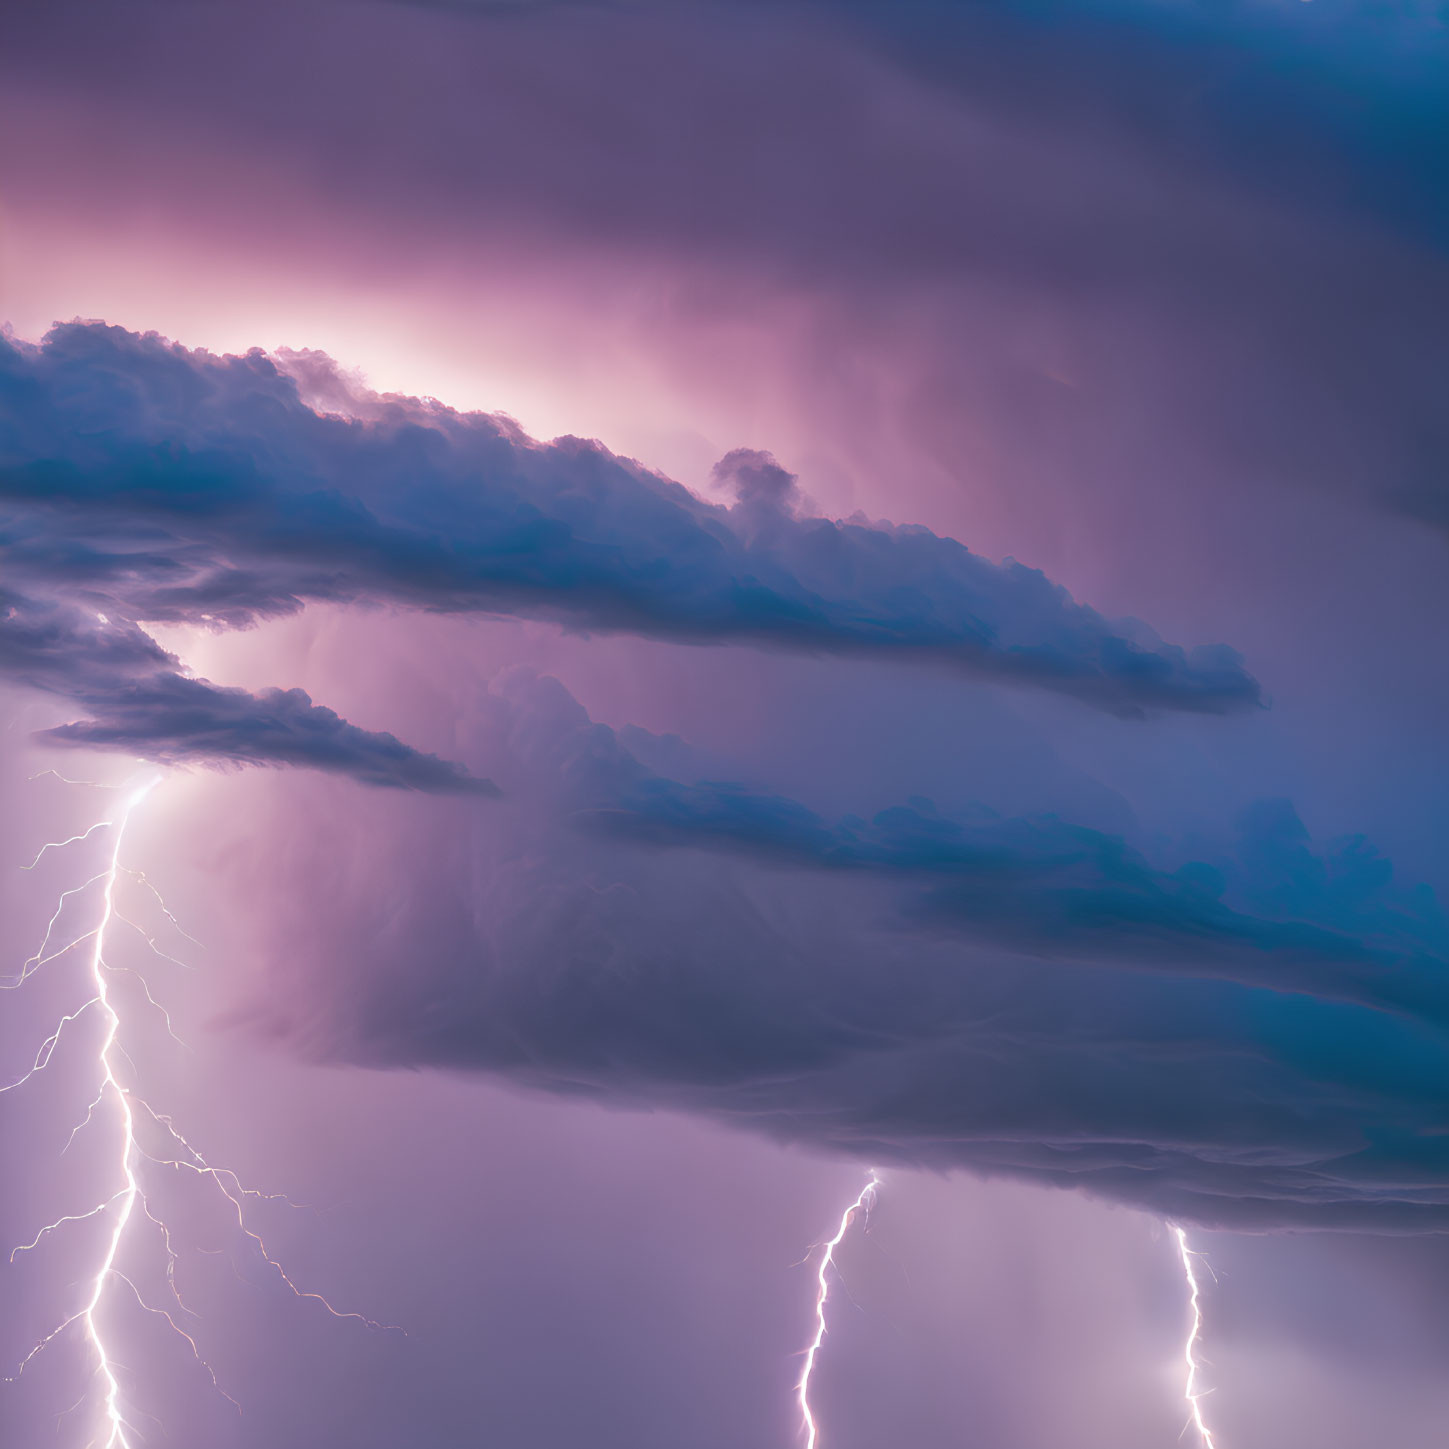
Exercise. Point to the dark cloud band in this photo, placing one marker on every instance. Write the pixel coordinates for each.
(168, 484)
(1257, 1040)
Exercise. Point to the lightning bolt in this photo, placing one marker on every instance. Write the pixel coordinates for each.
(129, 1156)
(822, 1295)
(125, 1200)
(1191, 1392)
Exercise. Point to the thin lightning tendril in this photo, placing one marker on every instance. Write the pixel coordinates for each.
(822, 1294)
(141, 879)
(73, 840)
(41, 958)
(87, 784)
(150, 941)
(1191, 1392)
(130, 1154)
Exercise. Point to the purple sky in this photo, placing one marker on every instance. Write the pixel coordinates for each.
(726, 595)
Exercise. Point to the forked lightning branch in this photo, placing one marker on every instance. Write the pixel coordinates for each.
(135, 1146)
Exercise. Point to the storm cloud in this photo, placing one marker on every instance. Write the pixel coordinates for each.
(1046, 888)
(139, 701)
(1254, 1039)
(172, 485)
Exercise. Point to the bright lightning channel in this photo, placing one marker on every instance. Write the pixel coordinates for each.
(120, 1205)
(822, 1294)
(112, 1088)
(1192, 1393)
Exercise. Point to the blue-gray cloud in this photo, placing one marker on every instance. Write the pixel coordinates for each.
(1265, 910)
(178, 720)
(1255, 1039)
(138, 700)
(164, 484)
